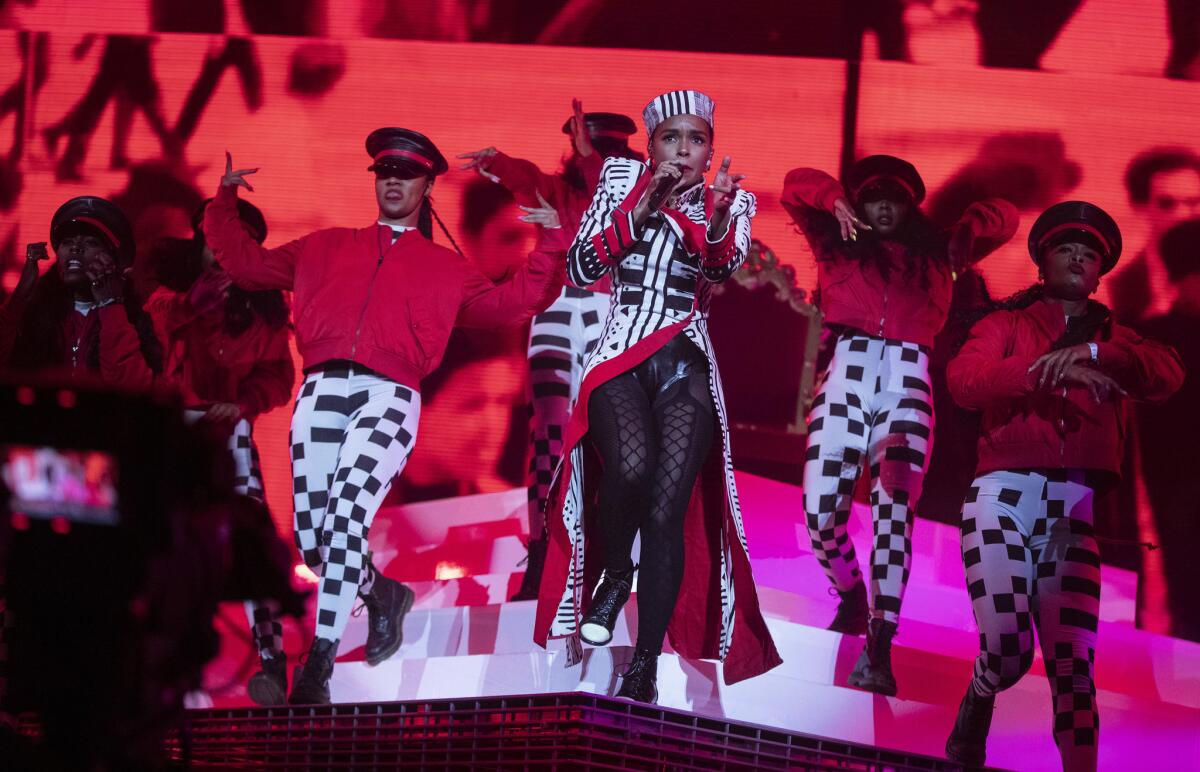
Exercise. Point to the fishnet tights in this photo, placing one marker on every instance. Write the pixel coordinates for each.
(653, 427)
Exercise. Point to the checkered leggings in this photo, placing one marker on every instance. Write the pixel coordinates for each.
(560, 339)
(1032, 562)
(875, 407)
(352, 433)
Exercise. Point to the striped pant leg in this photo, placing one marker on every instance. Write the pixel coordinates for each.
(593, 313)
(247, 471)
(379, 437)
(264, 616)
(898, 445)
(837, 450)
(551, 356)
(1066, 608)
(997, 518)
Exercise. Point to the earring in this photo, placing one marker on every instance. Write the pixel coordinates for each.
(708, 164)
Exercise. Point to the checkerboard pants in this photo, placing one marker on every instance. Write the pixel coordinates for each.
(560, 339)
(874, 408)
(263, 616)
(1032, 562)
(352, 433)
(247, 480)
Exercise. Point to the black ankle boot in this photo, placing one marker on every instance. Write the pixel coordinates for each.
(533, 571)
(386, 604)
(967, 743)
(611, 595)
(852, 611)
(873, 671)
(640, 679)
(310, 682)
(269, 686)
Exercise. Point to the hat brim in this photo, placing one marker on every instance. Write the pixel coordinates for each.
(888, 188)
(407, 170)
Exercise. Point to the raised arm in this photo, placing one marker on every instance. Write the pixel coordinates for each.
(607, 231)
(981, 375)
(812, 188)
(252, 266)
(984, 227)
(522, 178)
(724, 253)
(527, 292)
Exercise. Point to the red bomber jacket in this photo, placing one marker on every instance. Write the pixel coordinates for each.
(387, 305)
(107, 329)
(1064, 428)
(854, 294)
(525, 180)
(253, 370)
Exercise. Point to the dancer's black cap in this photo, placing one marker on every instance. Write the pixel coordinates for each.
(879, 173)
(100, 217)
(405, 151)
(1077, 221)
(606, 125)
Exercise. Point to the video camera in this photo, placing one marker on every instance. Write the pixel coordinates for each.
(120, 533)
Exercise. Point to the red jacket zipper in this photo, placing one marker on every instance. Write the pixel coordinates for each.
(363, 313)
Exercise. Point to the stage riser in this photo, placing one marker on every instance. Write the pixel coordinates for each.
(563, 731)
(1020, 738)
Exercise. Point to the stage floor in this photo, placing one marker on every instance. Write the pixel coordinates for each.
(464, 640)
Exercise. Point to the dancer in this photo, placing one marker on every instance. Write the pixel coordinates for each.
(885, 278)
(562, 336)
(374, 307)
(227, 350)
(1048, 370)
(82, 316)
(651, 403)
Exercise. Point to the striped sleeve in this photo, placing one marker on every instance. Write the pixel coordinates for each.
(606, 232)
(724, 255)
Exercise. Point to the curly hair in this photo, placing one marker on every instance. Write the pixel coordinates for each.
(176, 264)
(926, 244)
(41, 343)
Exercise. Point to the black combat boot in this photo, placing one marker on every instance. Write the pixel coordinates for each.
(269, 686)
(533, 571)
(310, 682)
(640, 680)
(873, 671)
(386, 604)
(852, 611)
(967, 743)
(601, 617)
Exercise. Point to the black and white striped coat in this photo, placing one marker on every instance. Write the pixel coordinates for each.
(659, 289)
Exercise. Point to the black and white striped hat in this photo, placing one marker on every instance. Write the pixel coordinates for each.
(674, 103)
